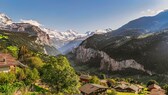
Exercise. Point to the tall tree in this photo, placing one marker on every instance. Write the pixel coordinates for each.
(60, 76)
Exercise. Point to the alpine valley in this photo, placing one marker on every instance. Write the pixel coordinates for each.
(137, 48)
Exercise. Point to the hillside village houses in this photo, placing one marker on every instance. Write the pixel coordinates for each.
(156, 90)
(93, 89)
(7, 62)
(85, 78)
(89, 89)
(126, 87)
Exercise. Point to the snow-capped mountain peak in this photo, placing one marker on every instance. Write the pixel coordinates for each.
(64, 41)
(99, 31)
(4, 20)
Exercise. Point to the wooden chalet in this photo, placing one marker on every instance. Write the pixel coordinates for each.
(127, 88)
(157, 92)
(93, 89)
(133, 89)
(123, 82)
(85, 78)
(104, 82)
(153, 86)
(121, 88)
(7, 62)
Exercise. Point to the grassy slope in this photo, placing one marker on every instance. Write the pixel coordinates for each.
(20, 39)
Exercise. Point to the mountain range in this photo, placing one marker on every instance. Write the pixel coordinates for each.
(147, 24)
(64, 42)
(139, 47)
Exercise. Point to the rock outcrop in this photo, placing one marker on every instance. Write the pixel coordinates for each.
(84, 55)
(42, 37)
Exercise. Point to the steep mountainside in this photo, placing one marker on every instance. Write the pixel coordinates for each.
(65, 42)
(147, 24)
(41, 38)
(140, 45)
(147, 53)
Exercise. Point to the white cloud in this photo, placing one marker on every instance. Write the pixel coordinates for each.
(33, 22)
(151, 12)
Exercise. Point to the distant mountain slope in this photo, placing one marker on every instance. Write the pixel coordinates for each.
(139, 45)
(41, 38)
(147, 24)
(148, 53)
(69, 40)
(64, 41)
(61, 38)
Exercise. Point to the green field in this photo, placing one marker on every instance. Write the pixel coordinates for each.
(124, 93)
(127, 93)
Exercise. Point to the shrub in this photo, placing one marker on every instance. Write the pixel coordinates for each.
(112, 92)
(13, 50)
(151, 82)
(35, 62)
(95, 80)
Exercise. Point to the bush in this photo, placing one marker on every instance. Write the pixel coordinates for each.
(151, 82)
(7, 78)
(31, 75)
(27, 75)
(13, 50)
(111, 82)
(112, 92)
(35, 62)
(165, 87)
(95, 80)
(20, 74)
(7, 89)
(39, 89)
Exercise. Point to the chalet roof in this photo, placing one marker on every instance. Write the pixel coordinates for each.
(7, 60)
(124, 86)
(89, 88)
(85, 77)
(103, 81)
(123, 82)
(155, 86)
(1, 59)
(157, 92)
(121, 86)
(139, 86)
(133, 87)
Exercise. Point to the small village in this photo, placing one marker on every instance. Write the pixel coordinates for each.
(93, 87)
(121, 88)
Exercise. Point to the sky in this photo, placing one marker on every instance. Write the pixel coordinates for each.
(80, 15)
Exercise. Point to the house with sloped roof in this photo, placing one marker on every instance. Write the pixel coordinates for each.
(157, 92)
(133, 89)
(121, 88)
(153, 86)
(128, 88)
(93, 89)
(85, 78)
(7, 62)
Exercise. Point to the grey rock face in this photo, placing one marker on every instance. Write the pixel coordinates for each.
(83, 55)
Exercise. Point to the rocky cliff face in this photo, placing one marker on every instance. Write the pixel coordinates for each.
(105, 62)
(42, 37)
(146, 52)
